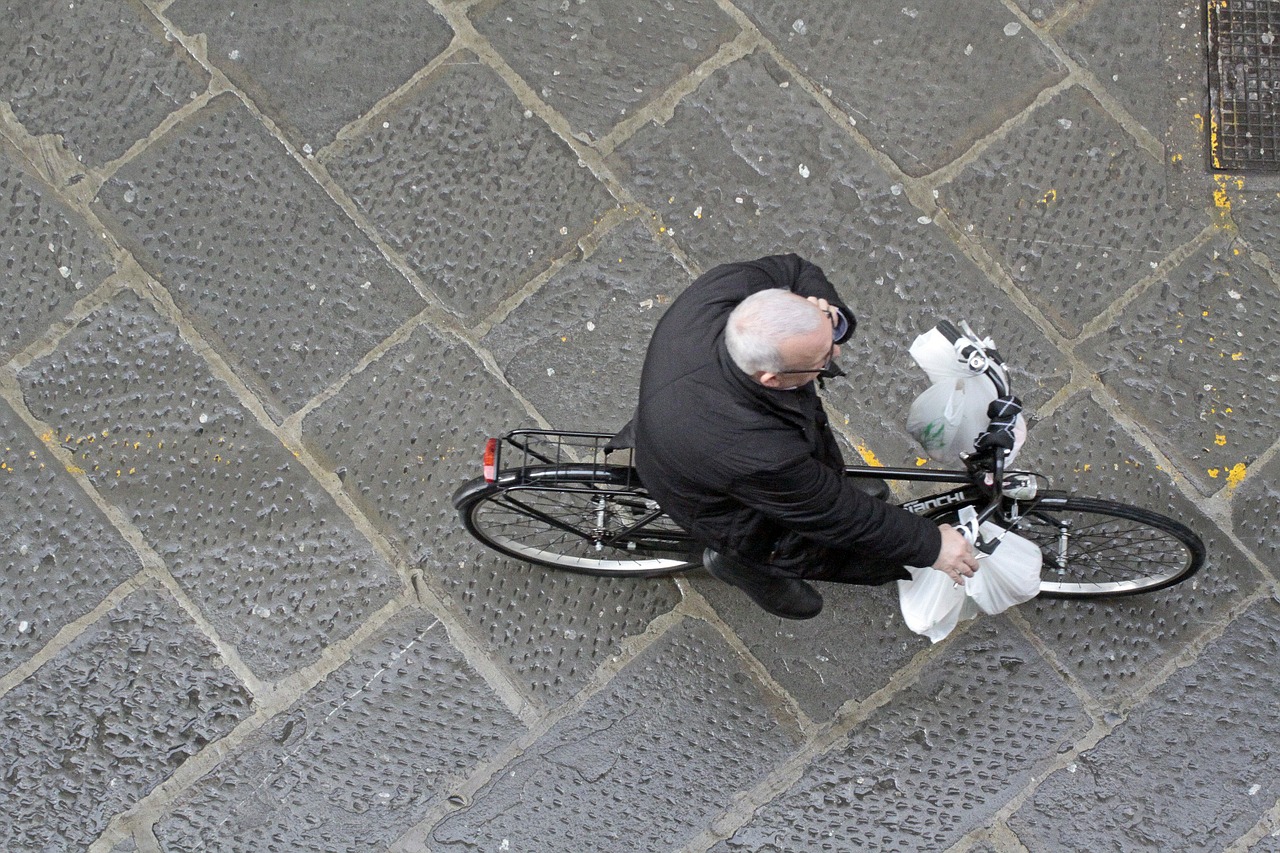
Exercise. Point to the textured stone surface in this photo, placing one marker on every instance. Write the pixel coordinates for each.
(259, 546)
(1051, 201)
(1117, 45)
(598, 62)
(552, 630)
(1194, 766)
(798, 182)
(933, 763)
(392, 298)
(1042, 10)
(255, 250)
(846, 653)
(312, 66)
(1256, 512)
(1255, 211)
(674, 740)
(101, 76)
(1190, 358)
(1270, 844)
(358, 759)
(108, 719)
(51, 256)
(59, 556)
(1113, 646)
(574, 349)
(476, 193)
(984, 67)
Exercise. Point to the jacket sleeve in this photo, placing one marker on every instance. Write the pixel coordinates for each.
(820, 504)
(807, 279)
(729, 284)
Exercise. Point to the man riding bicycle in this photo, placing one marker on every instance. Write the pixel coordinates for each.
(732, 440)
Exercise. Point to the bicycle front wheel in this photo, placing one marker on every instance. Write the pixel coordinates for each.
(1097, 548)
(591, 519)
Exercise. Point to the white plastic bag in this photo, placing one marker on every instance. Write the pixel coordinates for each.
(938, 357)
(950, 415)
(932, 604)
(1008, 576)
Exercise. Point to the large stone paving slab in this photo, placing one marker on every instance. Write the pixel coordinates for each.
(1113, 646)
(257, 253)
(1255, 211)
(101, 76)
(598, 62)
(314, 67)
(849, 651)
(403, 435)
(575, 348)
(1122, 45)
(1072, 207)
(1191, 358)
(477, 193)
(644, 765)
(110, 717)
(1193, 768)
(731, 186)
(936, 762)
(261, 549)
(59, 556)
(52, 257)
(357, 760)
(1255, 512)
(923, 81)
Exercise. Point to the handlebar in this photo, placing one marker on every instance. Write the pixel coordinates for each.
(997, 441)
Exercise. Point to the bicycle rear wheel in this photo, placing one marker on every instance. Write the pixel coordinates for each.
(1097, 548)
(594, 519)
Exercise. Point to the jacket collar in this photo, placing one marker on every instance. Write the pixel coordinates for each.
(793, 404)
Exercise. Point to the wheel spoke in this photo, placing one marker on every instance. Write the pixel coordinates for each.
(1096, 548)
(586, 524)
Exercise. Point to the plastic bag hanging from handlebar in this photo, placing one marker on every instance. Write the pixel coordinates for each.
(950, 416)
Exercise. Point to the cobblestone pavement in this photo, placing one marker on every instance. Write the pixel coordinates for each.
(272, 271)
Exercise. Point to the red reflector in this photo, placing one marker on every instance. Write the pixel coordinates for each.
(491, 460)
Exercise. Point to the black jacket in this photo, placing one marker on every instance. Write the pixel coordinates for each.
(748, 469)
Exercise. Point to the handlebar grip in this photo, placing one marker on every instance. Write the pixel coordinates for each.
(949, 331)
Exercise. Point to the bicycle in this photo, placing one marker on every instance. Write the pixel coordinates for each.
(573, 500)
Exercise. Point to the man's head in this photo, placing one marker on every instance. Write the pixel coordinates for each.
(780, 339)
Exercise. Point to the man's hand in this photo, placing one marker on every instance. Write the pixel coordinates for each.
(956, 559)
(826, 308)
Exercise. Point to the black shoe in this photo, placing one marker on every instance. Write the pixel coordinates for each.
(790, 598)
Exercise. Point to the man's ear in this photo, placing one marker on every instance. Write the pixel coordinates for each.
(768, 380)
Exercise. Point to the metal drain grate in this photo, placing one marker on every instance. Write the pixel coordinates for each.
(1244, 84)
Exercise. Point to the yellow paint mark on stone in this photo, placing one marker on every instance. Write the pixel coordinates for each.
(1050, 197)
(921, 461)
(1220, 440)
(1236, 475)
(1220, 198)
(1237, 356)
(868, 457)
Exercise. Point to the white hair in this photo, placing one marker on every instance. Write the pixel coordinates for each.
(761, 322)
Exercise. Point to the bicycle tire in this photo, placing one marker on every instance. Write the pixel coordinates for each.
(582, 518)
(1116, 549)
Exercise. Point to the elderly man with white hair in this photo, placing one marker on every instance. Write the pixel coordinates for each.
(732, 440)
